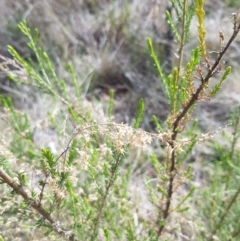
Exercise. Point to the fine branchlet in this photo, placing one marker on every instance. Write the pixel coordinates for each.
(82, 183)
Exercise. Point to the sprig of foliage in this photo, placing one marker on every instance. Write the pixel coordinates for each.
(82, 193)
(182, 94)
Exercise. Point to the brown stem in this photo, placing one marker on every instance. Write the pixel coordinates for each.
(232, 201)
(236, 233)
(169, 191)
(200, 88)
(195, 96)
(5, 178)
(177, 122)
(229, 172)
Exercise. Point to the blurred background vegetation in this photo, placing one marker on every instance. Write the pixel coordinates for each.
(106, 42)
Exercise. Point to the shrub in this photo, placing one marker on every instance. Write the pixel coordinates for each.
(83, 193)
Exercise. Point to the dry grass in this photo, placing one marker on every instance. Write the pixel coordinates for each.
(106, 42)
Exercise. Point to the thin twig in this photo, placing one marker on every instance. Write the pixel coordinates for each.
(181, 42)
(67, 234)
(236, 233)
(232, 201)
(234, 141)
(110, 183)
(204, 82)
(235, 136)
(177, 123)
